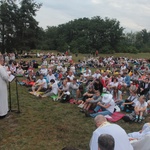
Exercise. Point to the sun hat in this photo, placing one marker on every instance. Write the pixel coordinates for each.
(107, 98)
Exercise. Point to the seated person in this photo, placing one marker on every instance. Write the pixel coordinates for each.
(140, 134)
(87, 103)
(39, 86)
(52, 89)
(107, 106)
(64, 88)
(19, 71)
(130, 101)
(70, 75)
(144, 87)
(43, 70)
(50, 76)
(98, 85)
(30, 79)
(112, 84)
(96, 75)
(73, 88)
(140, 108)
(117, 96)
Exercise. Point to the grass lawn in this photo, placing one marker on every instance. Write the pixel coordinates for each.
(47, 125)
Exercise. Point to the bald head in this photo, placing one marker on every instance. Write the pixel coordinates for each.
(99, 120)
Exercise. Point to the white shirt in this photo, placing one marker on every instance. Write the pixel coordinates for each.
(141, 105)
(96, 75)
(54, 88)
(49, 77)
(39, 81)
(119, 134)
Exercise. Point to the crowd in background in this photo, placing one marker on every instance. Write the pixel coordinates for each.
(94, 83)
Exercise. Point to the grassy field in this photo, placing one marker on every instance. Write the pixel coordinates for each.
(47, 125)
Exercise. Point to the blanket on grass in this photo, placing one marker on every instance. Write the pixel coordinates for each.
(116, 116)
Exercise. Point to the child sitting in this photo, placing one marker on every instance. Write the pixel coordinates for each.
(140, 108)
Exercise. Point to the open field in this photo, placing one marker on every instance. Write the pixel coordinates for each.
(47, 125)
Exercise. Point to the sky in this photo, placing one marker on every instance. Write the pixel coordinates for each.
(133, 15)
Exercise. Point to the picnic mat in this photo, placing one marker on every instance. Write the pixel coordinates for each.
(115, 117)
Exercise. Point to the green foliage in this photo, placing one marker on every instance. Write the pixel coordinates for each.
(17, 25)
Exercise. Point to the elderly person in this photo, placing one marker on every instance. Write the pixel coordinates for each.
(118, 133)
(3, 89)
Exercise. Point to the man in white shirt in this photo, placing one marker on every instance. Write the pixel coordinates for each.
(40, 85)
(50, 76)
(96, 75)
(43, 70)
(118, 133)
(52, 90)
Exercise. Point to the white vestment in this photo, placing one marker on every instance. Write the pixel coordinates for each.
(3, 91)
(118, 133)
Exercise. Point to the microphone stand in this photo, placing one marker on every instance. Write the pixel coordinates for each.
(17, 97)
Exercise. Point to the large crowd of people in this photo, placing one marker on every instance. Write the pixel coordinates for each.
(96, 84)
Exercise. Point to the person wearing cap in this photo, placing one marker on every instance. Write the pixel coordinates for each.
(103, 127)
(107, 106)
(52, 89)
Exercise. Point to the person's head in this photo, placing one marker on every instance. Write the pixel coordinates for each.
(97, 92)
(146, 80)
(74, 80)
(99, 120)
(50, 72)
(142, 99)
(41, 76)
(1, 59)
(52, 81)
(106, 142)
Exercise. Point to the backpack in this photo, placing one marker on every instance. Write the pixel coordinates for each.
(65, 98)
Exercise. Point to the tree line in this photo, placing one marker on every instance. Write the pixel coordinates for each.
(19, 31)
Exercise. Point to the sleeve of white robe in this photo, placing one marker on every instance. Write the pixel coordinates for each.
(94, 141)
(4, 74)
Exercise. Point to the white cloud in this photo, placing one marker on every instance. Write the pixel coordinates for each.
(133, 15)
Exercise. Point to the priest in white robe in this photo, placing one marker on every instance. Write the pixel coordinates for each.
(103, 127)
(3, 89)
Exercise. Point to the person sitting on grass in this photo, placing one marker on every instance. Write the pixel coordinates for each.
(88, 102)
(52, 89)
(39, 86)
(73, 87)
(107, 107)
(86, 95)
(117, 96)
(63, 89)
(130, 102)
(140, 108)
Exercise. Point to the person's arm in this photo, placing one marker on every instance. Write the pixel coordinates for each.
(94, 141)
(97, 100)
(104, 106)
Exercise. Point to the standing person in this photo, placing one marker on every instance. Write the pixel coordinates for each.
(118, 133)
(3, 89)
